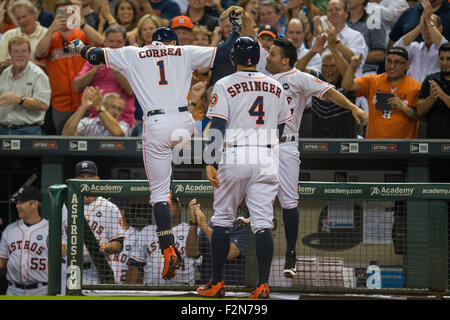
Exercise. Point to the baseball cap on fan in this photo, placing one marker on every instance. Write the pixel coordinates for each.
(86, 166)
(182, 22)
(268, 29)
(27, 193)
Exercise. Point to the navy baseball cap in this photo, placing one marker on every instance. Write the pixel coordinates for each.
(27, 193)
(86, 166)
(268, 29)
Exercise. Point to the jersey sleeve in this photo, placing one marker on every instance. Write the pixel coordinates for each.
(118, 59)
(311, 86)
(4, 252)
(218, 105)
(116, 229)
(201, 57)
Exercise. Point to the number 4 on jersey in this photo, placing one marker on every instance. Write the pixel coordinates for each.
(257, 110)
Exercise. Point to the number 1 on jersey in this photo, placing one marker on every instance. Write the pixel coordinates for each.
(257, 110)
(162, 73)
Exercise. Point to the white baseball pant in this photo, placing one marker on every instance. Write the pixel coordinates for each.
(161, 133)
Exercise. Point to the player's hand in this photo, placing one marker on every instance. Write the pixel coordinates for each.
(193, 205)
(236, 20)
(101, 245)
(211, 174)
(360, 114)
(75, 46)
(356, 61)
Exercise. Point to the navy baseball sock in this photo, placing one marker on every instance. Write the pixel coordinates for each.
(264, 254)
(163, 219)
(290, 219)
(220, 246)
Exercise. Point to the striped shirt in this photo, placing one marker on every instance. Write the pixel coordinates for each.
(32, 83)
(94, 127)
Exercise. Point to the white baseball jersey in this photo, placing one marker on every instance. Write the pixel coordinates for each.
(119, 261)
(106, 223)
(147, 251)
(253, 105)
(160, 75)
(299, 88)
(26, 249)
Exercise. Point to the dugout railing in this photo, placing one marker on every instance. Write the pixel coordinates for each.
(344, 227)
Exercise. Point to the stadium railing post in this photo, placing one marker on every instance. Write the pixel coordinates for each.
(57, 195)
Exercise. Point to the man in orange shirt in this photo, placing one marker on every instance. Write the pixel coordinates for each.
(61, 65)
(393, 117)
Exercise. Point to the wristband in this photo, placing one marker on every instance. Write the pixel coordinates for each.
(84, 50)
(192, 223)
(411, 112)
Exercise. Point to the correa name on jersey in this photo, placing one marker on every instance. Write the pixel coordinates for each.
(253, 85)
(159, 53)
(26, 245)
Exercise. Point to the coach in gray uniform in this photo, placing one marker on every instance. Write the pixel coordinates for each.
(24, 92)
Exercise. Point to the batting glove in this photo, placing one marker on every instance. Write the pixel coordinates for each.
(76, 46)
(236, 21)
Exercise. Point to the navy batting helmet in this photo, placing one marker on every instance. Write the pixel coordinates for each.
(245, 51)
(164, 34)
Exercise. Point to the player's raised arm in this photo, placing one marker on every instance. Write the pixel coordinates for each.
(92, 54)
(342, 101)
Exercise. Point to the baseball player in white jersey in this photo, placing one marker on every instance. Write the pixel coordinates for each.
(160, 76)
(105, 221)
(252, 108)
(145, 263)
(24, 248)
(119, 261)
(300, 87)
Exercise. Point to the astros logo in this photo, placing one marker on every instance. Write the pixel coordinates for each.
(213, 100)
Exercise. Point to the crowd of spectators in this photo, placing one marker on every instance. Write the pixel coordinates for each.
(390, 57)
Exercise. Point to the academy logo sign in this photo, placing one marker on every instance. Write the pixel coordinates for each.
(391, 191)
(107, 188)
(196, 189)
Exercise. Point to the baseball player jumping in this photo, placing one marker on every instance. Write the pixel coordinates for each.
(24, 249)
(300, 87)
(249, 110)
(160, 75)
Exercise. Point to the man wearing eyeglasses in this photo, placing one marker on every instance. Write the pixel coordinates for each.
(392, 96)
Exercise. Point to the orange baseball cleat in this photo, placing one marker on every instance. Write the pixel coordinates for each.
(212, 290)
(260, 292)
(171, 263)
